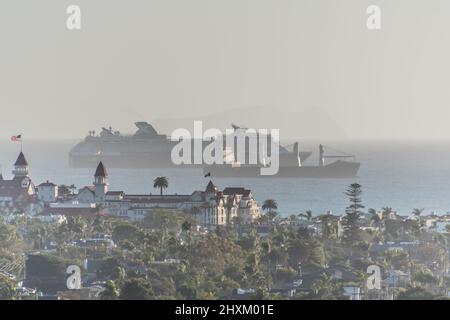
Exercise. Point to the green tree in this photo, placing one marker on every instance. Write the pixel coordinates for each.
(111, 292)
(7, 288)
(186, 226)
(136, 289)
(415, 293)
(270, 205)
(328, 227)
(417, 212)
(386, 213)
(127, 232)
(303, 248)
(326, 288)
(353, 214)
(76, 225)
(308, 215)
(72, 188)
(64, 190)
(8, 236)
(100, 224)
(161, 183)
(374, 218)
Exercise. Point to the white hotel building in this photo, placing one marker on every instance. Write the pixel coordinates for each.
(209, 207)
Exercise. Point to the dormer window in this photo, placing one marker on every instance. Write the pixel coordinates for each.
(25, 183)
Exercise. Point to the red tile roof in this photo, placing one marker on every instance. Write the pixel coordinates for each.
(84, 212)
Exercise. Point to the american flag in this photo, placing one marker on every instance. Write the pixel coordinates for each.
(16, 138)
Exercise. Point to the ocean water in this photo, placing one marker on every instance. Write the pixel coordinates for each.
(401, 174)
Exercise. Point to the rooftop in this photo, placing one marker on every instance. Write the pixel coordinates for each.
(47, 184)
(21, 161)
(101, 171)
(232, 191)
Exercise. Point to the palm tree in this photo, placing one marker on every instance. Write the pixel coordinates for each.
(417, 212)
(309, 215)
(292, 218)
(64, 190)
(374, 217)
(161, 183)
(386, 212)
(237, 222)
(270, 205)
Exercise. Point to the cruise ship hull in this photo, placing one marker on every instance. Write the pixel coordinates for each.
(124, 161)
(335, 170)
(148, 149)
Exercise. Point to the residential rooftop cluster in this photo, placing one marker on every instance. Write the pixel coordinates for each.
(210, 244)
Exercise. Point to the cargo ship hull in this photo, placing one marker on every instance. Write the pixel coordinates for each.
(134, 160)
(335, 170)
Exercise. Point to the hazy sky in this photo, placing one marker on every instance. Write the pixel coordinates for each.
(148, 59)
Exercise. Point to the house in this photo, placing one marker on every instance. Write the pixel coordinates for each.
(287, 292)
(352, 292)
(243, 202)
(47, 192)
(243, 294)
(396, 278)
(51, 218)
(379, 249)
(96, 193)
(86, 195)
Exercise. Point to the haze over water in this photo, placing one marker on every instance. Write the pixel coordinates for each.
(401, 175)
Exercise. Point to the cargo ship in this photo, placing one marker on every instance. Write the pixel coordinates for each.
(338, 169)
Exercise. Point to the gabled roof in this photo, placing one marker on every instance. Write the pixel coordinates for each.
(21, 161)
(101, 171)
(88, 188)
